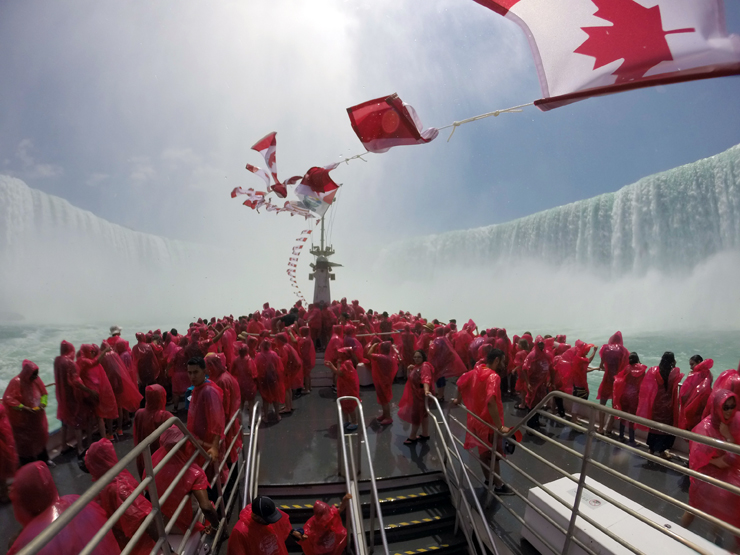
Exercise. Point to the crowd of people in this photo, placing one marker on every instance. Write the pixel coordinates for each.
(219, 366)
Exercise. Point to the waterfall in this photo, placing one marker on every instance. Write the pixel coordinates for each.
(59, 260)
(669, 221)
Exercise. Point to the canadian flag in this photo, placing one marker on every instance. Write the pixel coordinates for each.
(267, 147)
(585, 48)
(385, 122)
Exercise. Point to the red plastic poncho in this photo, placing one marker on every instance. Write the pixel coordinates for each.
(706, 497)
(405, 341)
(423, 341)
(326, 533)
(579, 365)
(353, 343)
(462, 343)
(537, 370)
(37, 504)
(729, 379)
(148, 419)
(232, 402)
(30, 428)
(348, 383)
(695, 393)
(252, 538)
(194, 479)
(71, 409)
(477, 388)
(615, 357)
(206, 413)
(8, 454)
(244, 370)
(627, 388)
(444, 359)
(147, 363)
(125, 353)
(100, 458)
(521, 384)
(292, 364)
(563, 371)
(94, 377)
(269, 375)
(336, 342)
(179, 369)
(658, 401)
(384, 367)
(126, 392)
(411, 406)
(307, 350)
(474, 347)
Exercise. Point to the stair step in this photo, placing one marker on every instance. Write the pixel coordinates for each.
(439, 544)
(416, 524)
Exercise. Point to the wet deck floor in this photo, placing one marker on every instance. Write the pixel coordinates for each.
(302, 449)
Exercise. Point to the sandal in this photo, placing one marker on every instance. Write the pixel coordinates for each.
(422, 438)
(410, 441)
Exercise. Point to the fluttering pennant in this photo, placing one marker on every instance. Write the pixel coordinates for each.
(612, 46)
(267, 147)
(293, 262)
(317, 189)
(385, 122)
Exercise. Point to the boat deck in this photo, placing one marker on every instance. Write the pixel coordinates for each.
(302, 450)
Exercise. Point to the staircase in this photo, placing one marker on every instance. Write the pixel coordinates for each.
(417, 512)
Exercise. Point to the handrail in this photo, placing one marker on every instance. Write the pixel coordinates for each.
(143, 448)
(585, 457)
(456, 453)
(351, 480)
(252, 455)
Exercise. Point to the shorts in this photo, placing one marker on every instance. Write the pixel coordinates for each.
(581, 393)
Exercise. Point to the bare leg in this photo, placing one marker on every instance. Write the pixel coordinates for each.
(120, 422)
(687, 519)
(425, 426)
(78, 436)
(276, 408)
(386, 412)
(414, 431)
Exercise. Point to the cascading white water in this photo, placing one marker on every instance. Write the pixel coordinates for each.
(669, 221)
(59, 261)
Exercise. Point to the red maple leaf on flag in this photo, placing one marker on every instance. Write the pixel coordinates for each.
(635, 36)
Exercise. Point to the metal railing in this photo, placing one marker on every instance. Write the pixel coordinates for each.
(163, 524)
(587, 462)
(350, 456)
(458, 477)
(252, 456)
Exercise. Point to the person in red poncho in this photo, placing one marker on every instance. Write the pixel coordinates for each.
(336, 342)
(177, 370)
(384, 366)
(262, 530)
(348, 384)
(444, 360)
(72, 411)
(100, 458)
(627, 392)
(292, 369)
(324, 532)
(8, 454)
(695, 392)
(715, 463)
(411, 408)
(462, 342)
(614, 357)
(127, 393)
(307, 350)
(270, 379)
(729, 379)
(245, 371)
(93, 376)
(148, 419)
(206, 411)
(480, 391)
(537, 374)
(659, 402)
(25, 399)
(579, 370)
(36, 504)
(232, 402)
(194, 482)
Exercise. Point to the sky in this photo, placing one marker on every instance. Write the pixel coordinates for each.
(143, 113)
